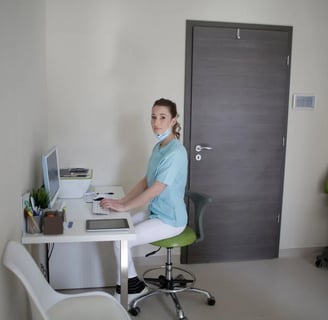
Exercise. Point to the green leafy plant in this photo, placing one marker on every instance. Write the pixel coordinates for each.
(41, 197)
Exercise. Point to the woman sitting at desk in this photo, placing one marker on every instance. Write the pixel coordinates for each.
(163, 188)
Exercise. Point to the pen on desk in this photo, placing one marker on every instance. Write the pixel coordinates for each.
(104, 192)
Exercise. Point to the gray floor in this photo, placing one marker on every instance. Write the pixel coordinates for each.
(278, 289)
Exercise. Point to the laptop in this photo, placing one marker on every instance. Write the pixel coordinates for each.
(120, 224)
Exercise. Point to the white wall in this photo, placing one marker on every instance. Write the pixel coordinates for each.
(23, 127)
(109, 60)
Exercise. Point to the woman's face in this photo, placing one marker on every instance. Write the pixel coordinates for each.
(161, 119)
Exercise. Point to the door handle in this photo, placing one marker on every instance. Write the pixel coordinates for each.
(199, 148)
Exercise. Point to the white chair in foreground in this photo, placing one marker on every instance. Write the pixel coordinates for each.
(48, 304)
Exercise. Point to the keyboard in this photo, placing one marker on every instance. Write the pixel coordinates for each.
(97, 209)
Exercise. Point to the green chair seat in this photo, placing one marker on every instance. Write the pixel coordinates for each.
(185, 238)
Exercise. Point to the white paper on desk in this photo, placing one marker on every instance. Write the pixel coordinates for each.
(89, 196)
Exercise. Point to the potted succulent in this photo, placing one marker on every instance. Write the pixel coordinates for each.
(41, 197)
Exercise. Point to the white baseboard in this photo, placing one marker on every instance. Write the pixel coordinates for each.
(160, 257)
(300, 252)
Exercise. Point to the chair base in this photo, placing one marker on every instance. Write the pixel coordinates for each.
(175, 279)
(169, 284)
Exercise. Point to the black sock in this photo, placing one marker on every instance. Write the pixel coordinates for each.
(135, 285)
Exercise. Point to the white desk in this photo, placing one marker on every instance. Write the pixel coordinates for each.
(78, 212)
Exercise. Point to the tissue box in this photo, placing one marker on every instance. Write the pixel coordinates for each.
(74, 183)
(53, 222)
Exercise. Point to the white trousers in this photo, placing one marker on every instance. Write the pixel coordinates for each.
(147, 231)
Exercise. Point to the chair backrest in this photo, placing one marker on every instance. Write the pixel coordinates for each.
(200, 202)
(41, 296)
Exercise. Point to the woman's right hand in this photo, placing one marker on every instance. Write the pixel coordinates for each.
(113, 204)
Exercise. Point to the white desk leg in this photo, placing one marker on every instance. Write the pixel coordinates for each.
(124, 273)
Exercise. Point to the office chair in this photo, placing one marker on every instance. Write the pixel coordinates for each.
(48, 304)
(175, 279)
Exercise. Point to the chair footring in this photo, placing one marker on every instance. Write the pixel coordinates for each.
(175, 279)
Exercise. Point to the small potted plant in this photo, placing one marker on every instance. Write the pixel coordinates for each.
(41, 197)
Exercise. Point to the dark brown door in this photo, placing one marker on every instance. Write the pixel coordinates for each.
(236, 107)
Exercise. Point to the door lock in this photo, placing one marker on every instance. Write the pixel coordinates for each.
(198, 157)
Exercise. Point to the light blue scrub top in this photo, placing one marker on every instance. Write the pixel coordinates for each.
(169, 165)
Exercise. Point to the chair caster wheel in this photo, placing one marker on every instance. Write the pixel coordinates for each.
(211, 301)
(134, 311)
